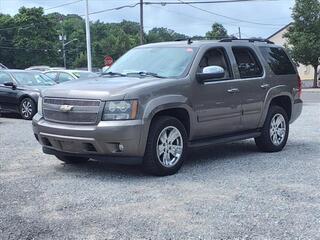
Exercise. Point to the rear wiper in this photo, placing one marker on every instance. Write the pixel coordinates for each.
(144, 73)
(113, 74)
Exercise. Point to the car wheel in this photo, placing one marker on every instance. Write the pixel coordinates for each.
(274, 134)
(28, 108)
(72, 159)
(166, 146)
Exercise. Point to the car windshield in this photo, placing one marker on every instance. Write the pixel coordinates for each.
(85, 74)
(32, 79)
(155, 61)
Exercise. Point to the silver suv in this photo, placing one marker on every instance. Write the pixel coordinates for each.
(159, 100)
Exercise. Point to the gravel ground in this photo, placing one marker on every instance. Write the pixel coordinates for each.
(228, 191)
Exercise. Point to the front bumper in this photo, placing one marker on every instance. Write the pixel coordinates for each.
(108, 138)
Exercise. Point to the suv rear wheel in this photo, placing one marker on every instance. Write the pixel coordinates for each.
(166, 146)
(72, 159)
(274, 134)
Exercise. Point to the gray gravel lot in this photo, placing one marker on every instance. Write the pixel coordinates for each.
(228, 191)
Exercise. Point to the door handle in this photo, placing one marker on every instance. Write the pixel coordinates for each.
(233, 90)
(264, 86)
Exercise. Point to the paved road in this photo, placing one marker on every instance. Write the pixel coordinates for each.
(228, 191)
(311, 97)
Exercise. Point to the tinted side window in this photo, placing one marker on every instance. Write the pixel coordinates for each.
(216, 57)
(278, 60)
(4, 77)
(248, 63)
(63, 77)
(52, 75)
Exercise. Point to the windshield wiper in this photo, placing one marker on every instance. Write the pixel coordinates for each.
(144, 73)
(113, 74)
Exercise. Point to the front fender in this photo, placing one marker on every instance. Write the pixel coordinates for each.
(161, 103)
(33, 95)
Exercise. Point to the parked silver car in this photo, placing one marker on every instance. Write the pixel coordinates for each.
(159, 100)
(60, 76)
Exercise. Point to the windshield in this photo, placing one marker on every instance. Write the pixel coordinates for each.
(162, 61)
(32, 79)
(85, 74)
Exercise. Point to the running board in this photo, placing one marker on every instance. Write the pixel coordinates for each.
(224, 139)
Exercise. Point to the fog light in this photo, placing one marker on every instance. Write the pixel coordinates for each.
(121, 147)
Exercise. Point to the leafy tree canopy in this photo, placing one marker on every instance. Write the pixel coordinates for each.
(217, 32)
(304, 33)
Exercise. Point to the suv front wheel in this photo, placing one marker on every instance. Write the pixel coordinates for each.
(275, 131)
(166, 146)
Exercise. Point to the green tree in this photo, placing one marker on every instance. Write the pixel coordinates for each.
(7, 29)
(34, 40)
(217, 32)
(163, 34)
(304, 34)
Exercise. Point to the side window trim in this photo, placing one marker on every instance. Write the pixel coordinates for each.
(257, 59)
(228, 63)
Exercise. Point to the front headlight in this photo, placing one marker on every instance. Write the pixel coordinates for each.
(40, 105)
(120, 110)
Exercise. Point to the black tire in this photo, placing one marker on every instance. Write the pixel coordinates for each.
(151, 163)
(72, 159)
(27, 108)
(264, 142)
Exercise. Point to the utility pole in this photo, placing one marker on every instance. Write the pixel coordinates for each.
(88, 38)
(239, 32)
(63, 38)
(141, 22)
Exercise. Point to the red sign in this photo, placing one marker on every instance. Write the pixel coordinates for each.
(108, 60)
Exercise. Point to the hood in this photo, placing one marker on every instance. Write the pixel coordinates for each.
(102, 88)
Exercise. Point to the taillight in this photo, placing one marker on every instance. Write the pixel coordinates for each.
(299, 86)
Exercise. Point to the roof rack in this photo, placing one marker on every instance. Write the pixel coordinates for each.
(246, 39)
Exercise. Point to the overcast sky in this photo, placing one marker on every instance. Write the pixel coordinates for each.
(182, 18)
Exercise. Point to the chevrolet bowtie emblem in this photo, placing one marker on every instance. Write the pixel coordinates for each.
(66, 108)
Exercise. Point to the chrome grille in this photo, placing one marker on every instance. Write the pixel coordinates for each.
(82, 111)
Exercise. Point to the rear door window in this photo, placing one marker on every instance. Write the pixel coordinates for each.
(278, 60)
(247, 62)
(64, 77)
(52, 75)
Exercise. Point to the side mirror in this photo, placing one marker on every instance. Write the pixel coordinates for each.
(210, 73)
(10, 84)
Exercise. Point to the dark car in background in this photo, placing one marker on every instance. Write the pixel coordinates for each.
(19, 91)
(60, 76)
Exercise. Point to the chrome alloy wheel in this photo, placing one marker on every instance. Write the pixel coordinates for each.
(26, 109)
(278, 129)
(169, 146)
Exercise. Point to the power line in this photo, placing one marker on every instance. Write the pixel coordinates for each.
(231, 18)
(62, 5)
(206, 22)
(116, 8)
(31, 25)
(189, 3)
(205, 2)
(29, 49)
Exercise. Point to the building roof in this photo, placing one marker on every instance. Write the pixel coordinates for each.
(281, 29)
